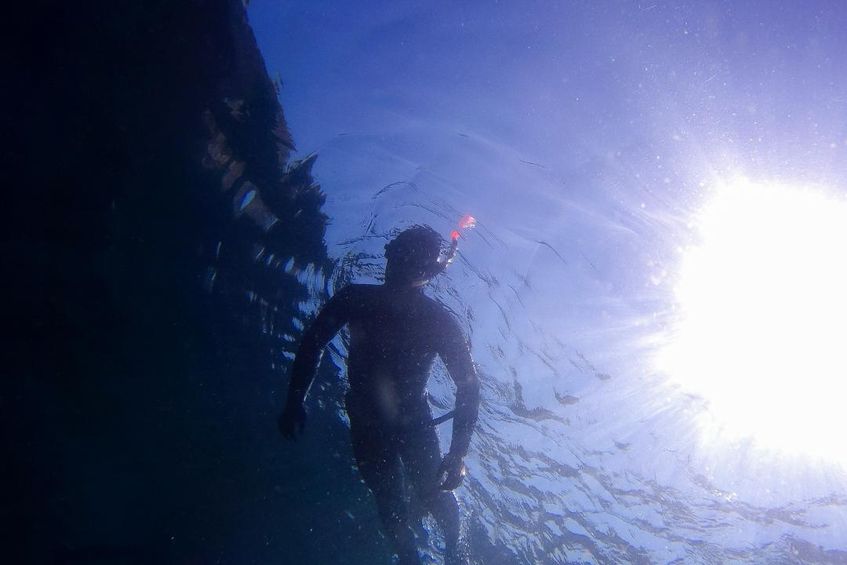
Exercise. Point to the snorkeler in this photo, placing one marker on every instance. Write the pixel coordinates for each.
(395, 333)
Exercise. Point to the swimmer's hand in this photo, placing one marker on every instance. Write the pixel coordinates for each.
(451, 472)
(292, 421)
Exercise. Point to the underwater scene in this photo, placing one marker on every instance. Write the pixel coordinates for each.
(414, 282)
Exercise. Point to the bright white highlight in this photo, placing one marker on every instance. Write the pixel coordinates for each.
(762, 326)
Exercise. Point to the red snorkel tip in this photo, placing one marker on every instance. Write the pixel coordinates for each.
(465, 222)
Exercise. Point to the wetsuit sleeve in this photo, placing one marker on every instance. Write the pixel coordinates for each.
(334, 315)
(455, 352)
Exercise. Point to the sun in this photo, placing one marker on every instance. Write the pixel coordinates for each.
(761, 325)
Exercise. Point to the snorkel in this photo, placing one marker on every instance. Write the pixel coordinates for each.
(466, 222)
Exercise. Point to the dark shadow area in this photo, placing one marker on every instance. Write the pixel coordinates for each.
(152, 214)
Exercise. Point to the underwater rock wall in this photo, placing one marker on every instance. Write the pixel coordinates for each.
(155, 231)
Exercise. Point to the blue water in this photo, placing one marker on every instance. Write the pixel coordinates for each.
(582, 136)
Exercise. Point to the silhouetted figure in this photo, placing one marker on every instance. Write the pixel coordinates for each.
(395, 333)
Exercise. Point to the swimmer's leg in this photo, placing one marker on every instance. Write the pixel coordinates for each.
(379, 463)
(422, 457)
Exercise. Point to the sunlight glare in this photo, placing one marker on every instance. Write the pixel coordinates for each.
(762, 304)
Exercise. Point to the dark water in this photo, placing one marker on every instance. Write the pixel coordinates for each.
(166, 244)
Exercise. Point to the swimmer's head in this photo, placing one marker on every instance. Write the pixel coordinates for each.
(413, 257)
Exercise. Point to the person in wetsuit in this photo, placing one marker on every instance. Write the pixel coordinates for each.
(395, 333)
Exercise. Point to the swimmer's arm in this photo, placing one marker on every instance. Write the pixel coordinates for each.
(333, 316)
(456, 355)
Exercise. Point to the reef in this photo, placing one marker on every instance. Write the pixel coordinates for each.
(156, 228)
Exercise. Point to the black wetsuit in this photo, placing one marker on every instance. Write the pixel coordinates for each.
(395, 334)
